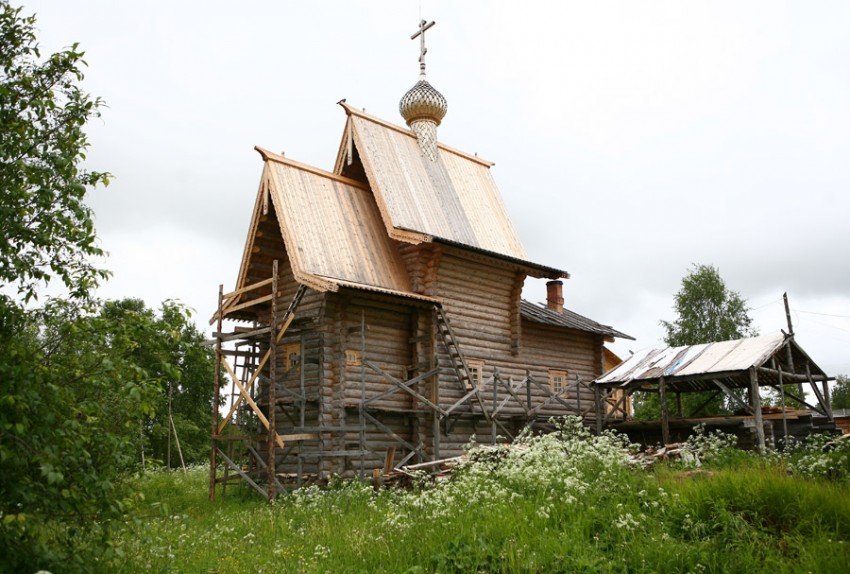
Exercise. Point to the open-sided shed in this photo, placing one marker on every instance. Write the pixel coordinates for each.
(772, 361)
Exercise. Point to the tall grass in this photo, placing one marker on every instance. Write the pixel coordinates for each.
(566, 502)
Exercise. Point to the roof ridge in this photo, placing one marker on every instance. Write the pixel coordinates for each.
(271, 156)
(351, 110)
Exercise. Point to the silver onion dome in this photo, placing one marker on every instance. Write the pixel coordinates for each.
(423, 103)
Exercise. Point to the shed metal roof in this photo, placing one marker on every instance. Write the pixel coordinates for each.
(729, 360)
(567, 318)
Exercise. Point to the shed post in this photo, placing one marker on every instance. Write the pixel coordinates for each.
(578, 399)
(272, 479)
(756, 404)
(665, 416)
(597, 397)
(782, 395)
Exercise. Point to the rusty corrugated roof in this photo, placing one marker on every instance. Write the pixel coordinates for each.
(724, 358)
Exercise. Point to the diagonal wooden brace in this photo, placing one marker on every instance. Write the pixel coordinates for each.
(404, 387)
(247, 397)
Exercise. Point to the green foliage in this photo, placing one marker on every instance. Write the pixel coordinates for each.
(841, 392)
(68, 422)
(82, 392)
(167, 349)
(707, 311)
(566, 502)
(46, 228)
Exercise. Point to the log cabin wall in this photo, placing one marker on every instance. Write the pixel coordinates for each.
(481, 299)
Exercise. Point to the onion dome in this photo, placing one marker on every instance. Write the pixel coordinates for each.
(423, 103)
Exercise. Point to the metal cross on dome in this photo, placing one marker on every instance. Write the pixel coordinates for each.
(423, 25)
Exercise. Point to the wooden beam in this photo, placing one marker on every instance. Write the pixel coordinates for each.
(247, 288)
(754, 389)
(243, 474)
(272, 406)
(732, 395)
(247, 397)
(665, 416)
(216, 392)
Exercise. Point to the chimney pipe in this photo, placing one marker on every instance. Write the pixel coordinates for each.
(555, 296)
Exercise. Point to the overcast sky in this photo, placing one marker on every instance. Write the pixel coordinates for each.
(631, 138)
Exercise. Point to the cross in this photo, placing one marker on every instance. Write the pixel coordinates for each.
(423, 25)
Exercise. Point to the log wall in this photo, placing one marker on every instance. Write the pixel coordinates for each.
(481, 300)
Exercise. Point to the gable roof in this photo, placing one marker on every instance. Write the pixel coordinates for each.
(343, 232)
(568, 319)
(726, 360)
(331, 228)
(453, 199)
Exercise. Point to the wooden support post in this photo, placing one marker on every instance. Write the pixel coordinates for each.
(301, 415)
(756, 404)
(361, 420)
(773, 364)
(272, 434)
(578, 397)
(827, 400)
(597, 396)
(216, 391)
(665, 416)
(495, 402)
(679, 413)
(435, 387)
(789, 357)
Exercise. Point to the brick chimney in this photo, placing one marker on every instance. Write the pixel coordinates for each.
(555, 296)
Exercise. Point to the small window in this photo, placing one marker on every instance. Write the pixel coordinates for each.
(476, 368)
(291, 355)
(557, 381)
(352, 358)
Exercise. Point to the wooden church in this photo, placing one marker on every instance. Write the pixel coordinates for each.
(384, 301)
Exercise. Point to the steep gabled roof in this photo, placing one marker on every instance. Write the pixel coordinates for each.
(569, 319)
(453, 199)
(331, 228)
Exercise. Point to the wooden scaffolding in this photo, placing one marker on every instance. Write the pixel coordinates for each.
(251, 441)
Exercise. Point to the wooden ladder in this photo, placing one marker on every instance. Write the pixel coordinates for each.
(458, 361)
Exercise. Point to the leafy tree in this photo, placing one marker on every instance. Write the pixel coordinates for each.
(46, 228)
(841, 392)
(167, 348)
(82, 384)
(707, 312)
(82, 393)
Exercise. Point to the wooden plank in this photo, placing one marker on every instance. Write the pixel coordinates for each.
(732, 396)
(242, 473)
(250, 287)
(247, 397)
(250, 303)
(404, 386)
(754, 389)
(665, 416)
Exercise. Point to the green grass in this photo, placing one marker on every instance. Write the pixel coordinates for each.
(568, 503)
